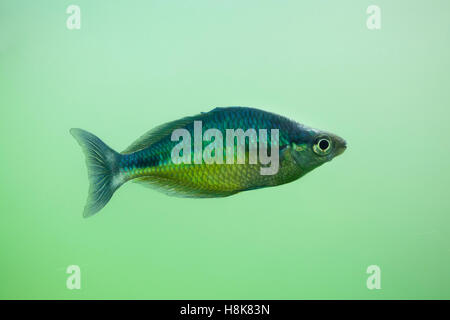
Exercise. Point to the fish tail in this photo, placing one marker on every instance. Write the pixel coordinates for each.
(103, 170)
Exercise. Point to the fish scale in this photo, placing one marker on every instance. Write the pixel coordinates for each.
(148, 160)
(230, 177)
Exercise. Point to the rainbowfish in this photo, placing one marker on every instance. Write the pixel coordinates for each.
(296, 148)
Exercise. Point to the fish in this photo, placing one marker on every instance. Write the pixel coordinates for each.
(150, 161)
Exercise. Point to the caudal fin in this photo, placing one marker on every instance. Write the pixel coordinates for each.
(102, 164)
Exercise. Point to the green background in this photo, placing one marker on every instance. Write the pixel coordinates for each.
(136, 64)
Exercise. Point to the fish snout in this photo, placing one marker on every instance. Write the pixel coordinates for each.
(341, 146)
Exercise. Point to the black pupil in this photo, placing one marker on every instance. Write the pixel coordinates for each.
(323, 145)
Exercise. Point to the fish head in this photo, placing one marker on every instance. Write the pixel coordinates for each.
(314, 147)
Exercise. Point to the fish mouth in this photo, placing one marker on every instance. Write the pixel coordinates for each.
(341, 146)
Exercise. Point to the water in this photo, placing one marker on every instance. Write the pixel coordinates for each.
(135, 65)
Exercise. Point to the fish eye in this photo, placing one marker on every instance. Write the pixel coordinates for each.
(322, 146)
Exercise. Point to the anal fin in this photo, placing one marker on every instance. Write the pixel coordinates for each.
(176, 189)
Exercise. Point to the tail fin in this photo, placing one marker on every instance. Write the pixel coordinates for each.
(102, 164)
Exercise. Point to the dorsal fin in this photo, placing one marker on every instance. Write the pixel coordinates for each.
(158, 133)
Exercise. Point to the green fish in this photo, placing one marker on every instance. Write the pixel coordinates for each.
(188, 157)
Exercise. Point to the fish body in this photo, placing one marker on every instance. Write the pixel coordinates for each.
(149, 160)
